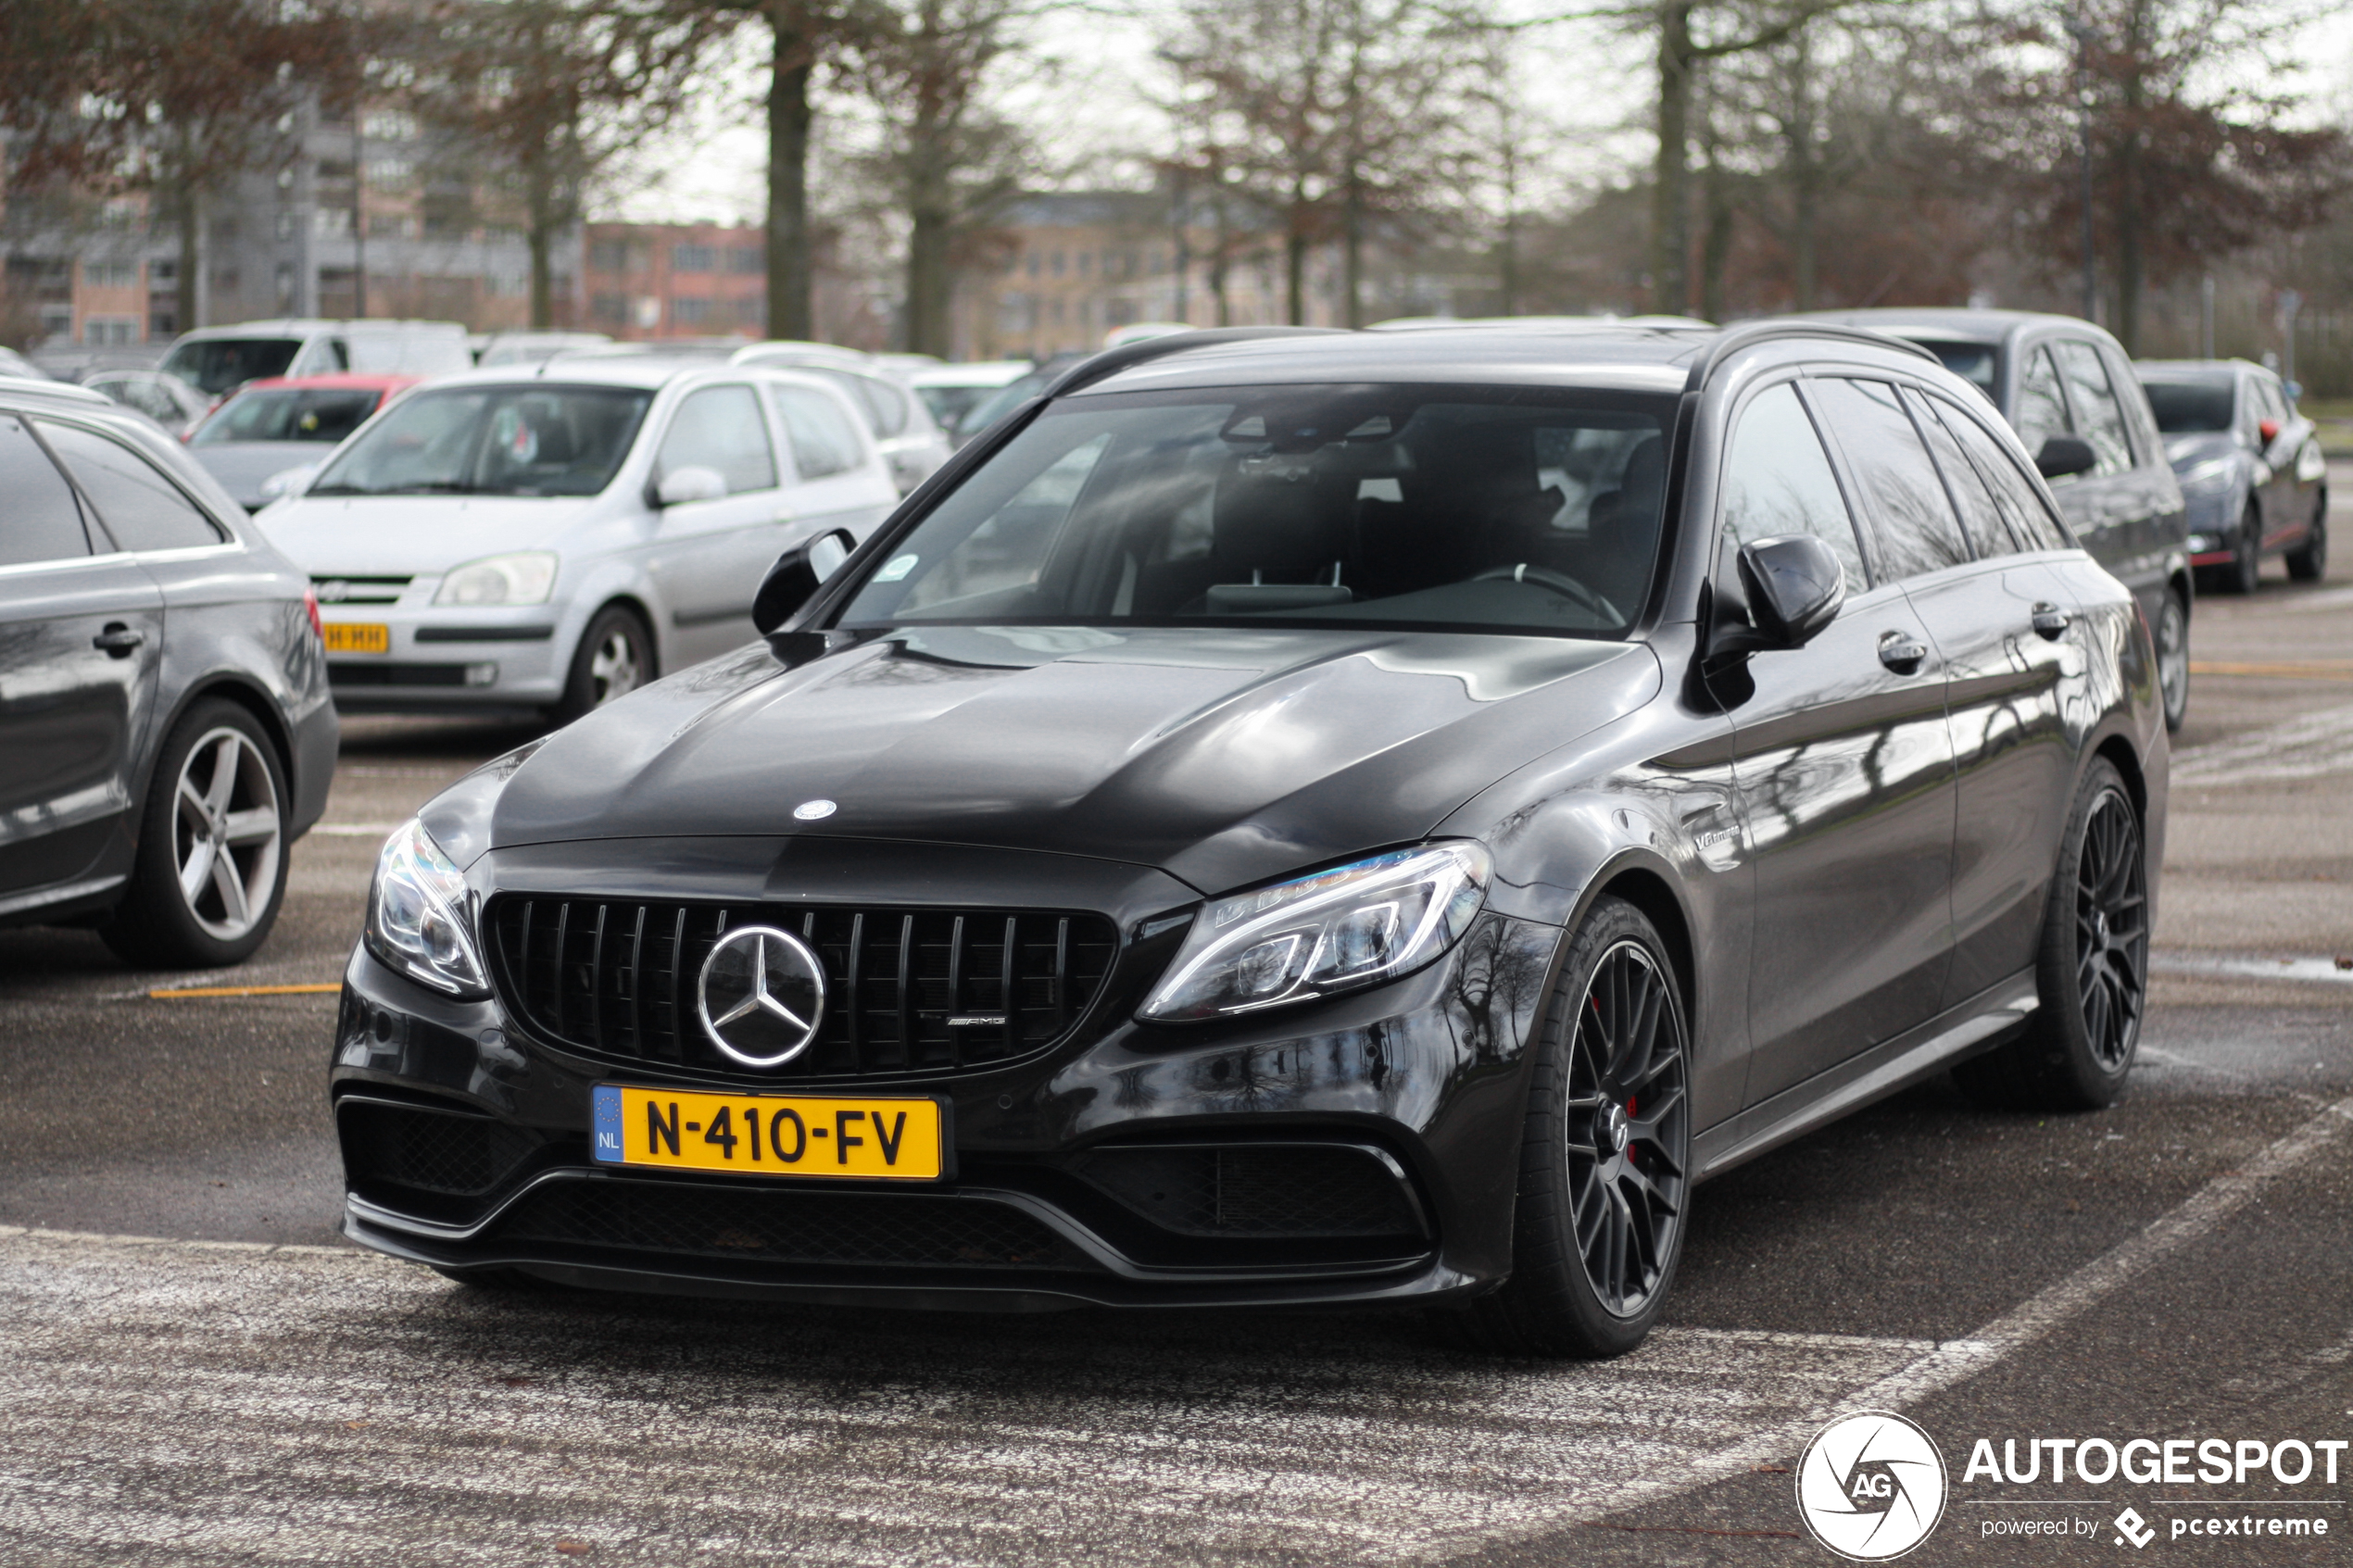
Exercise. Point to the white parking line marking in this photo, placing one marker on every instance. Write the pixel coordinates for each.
(2308, 746)
(356, 830)
(170, 1399)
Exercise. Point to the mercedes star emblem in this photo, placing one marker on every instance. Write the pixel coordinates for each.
(760, 995)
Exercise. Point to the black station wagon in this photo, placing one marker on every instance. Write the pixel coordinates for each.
(1292, 818)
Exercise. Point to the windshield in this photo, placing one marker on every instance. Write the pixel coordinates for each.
(1424, 507)
(287, 415)
(224, 364)
(949, 405)
(2185, 407)
(492, 441)
(1976, 363)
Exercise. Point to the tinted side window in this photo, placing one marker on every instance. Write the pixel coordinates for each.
(41, 520)
(2021, 504)
(720, 428)
(1980, 518)
(2042, 412)
(823, 441)
(1776, 481)
(138, 505)
(2098, 419)
(1911, 518)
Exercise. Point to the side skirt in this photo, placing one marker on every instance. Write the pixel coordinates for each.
(1978, 1024)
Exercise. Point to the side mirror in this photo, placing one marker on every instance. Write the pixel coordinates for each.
(692, 483)
(1794, 585)
(2268, 430)
(797, 575)
(2063, 455)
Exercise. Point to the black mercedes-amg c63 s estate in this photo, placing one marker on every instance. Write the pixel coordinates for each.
(1300, 818)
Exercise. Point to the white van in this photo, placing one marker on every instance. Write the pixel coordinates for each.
(217, 360)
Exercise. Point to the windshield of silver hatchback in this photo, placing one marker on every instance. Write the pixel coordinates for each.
(1450, 507)
(491, 441)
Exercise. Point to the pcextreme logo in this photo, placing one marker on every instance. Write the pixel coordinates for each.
(1871, 1487)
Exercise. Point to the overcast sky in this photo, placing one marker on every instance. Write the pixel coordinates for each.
(1100, 76)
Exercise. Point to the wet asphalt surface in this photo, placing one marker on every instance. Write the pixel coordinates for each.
(154, 1386)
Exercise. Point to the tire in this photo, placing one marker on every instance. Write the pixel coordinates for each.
(615, 656)
(214, 819)
(2172, 637)
(2309, 563)
(2245, 568)
(1598, 1227)
(2091, 969)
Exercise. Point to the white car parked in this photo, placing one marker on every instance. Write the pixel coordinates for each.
(552, 539)
(911, 440)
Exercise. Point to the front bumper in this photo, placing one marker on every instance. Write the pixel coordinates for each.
(453, 657)
(1361, 1150)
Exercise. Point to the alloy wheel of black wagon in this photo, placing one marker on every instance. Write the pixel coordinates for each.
(1625, 1119)
(2111, 930)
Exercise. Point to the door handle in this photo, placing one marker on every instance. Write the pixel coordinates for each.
(2051, 621)
(120, 641)
(1901, 653)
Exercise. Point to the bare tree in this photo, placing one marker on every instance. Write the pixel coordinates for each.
(950, 160)
(170, 99)
(552, 93)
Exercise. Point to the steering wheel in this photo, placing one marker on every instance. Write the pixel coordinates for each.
(1547, 578)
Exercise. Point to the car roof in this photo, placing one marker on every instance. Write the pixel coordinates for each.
(1955, 324)
(980, 373)
(335, 381)
(19, 390)
(307, 326)
(644, 373)
(2195, 370)
(1635, 358)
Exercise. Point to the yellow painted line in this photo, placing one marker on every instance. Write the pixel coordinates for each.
(2332, 670)
(196, 991)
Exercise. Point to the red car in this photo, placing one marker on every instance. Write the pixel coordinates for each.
(285, 422)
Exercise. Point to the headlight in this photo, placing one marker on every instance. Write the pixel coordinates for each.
(1341, 929)
(414, 922)
(2212, 474)
(288, 481)
(525, 578)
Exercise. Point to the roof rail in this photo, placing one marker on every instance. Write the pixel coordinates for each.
(1733, 339)
(1111, 361)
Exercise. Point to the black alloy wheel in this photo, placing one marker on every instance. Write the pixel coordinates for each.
(2309, 563)
(1606, 1162)
(2172, 636)
(2092, 972)
(2245, 568)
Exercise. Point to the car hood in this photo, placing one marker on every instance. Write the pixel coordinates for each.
(241, 466)
(1221, 757)
(2185, 452)
(413, 535)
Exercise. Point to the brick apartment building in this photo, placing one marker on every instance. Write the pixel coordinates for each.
(676, 280)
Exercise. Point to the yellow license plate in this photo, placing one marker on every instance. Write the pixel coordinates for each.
(900, 1139)
(365, 637)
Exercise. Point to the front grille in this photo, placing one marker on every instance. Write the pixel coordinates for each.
(1242, 1190)
(360, 590)
(909, 1230)
(618, 980)
(432, 1152)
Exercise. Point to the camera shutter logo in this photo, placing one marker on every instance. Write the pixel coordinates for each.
(760, 995)
(1871, 1487)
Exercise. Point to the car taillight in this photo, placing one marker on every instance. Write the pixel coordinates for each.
(310, 606)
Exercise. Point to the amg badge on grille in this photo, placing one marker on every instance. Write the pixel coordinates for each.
(760, 995)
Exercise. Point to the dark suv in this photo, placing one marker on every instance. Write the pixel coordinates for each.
(2069, 390)
(166, 732)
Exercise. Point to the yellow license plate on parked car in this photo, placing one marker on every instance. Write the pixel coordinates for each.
(364, 637)
(897, 1139)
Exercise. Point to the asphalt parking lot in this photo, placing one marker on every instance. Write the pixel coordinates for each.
(198, 1369)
